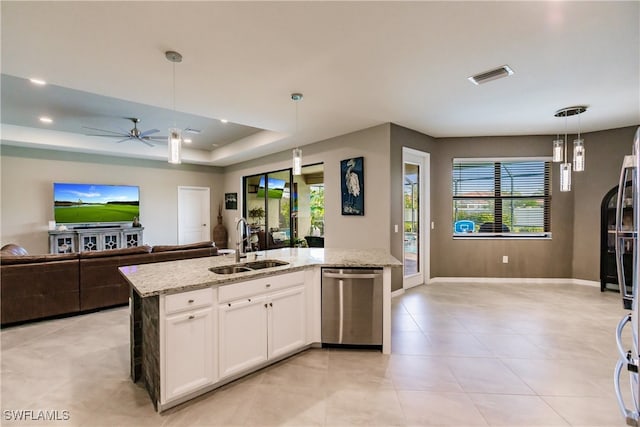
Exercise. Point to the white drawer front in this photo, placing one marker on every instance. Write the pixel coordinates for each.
(254, 287)
(188, 300)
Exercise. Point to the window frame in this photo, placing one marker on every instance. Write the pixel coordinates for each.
(497, 161)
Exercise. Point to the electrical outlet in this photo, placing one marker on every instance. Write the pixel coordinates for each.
(505, 259)
(395, 228)
(433, 225)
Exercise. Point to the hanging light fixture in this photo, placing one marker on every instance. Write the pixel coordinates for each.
(560, 151)
(578, 151)
(297, 152)
(175, 134)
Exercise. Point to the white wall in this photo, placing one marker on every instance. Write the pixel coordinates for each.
(27, 199)
(369, 231)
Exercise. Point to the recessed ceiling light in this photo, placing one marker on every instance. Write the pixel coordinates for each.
(187, 140)
(38, 82)
(215, 145)
(224, 120)
(45, 119)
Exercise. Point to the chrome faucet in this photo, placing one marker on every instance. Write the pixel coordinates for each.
(240, 239)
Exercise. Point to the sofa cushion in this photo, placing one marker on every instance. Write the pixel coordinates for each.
(144, 249)
(13, 249)
(31, 259)
(198, 245)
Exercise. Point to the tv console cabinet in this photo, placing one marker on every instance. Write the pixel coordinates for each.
(94, 239)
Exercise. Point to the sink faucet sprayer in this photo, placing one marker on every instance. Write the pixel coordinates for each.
(240, 239)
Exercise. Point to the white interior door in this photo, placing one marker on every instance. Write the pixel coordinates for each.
(193, 215)
(416, 218)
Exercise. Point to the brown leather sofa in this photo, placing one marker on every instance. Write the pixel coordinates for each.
(42, 286)
(38, 286)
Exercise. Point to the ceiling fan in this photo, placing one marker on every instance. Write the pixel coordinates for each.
(134, 134)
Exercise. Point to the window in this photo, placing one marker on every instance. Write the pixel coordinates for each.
(501, 197)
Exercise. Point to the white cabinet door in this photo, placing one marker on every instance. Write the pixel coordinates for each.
(189, 357)
(287, 321)
(243, 335)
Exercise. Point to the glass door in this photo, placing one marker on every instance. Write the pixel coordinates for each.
(268, 209)
(414, 218)
(285, 210)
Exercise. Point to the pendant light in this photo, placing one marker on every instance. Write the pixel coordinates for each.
(565, 167)
(297, 152)
(578, 151)
(175, 134)
(558, 149)
(560, 152)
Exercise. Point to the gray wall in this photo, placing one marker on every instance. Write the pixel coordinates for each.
(573, 251)
(27, 200)
(341, 231)
(483, 258)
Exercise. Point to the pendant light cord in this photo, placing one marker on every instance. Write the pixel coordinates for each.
(174, 94)
(565, 136)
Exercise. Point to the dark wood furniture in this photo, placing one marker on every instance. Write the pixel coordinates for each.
(608, 269)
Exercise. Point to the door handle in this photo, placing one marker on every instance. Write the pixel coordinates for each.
(350, 275)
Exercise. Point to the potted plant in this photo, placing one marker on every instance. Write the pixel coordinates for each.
(256, 214)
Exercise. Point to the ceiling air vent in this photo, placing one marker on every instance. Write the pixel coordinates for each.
(487, 76)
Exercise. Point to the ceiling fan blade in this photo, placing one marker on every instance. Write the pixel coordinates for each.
(108, 131)
(156, 138)
(148, 132)
(123, 140)
(107, 136)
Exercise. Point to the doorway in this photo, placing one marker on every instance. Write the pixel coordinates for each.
(416, 218)
(193, 215)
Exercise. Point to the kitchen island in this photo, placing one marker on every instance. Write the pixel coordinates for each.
(194, 330)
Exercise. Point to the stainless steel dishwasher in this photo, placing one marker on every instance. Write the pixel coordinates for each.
(352, 307)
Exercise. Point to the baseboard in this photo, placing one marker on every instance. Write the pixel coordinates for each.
(397, 293)
(520, 280)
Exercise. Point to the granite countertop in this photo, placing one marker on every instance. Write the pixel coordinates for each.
(183, 275)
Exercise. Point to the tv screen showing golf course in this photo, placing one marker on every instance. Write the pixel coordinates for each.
(93, 203)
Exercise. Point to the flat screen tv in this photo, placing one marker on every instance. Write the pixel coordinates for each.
(275, 190)
(94, 203)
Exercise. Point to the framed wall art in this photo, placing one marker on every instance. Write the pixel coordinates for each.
(352, 182)
(231, 201)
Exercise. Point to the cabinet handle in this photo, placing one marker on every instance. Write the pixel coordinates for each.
(229, 304)
(270, 304)
(268, 285)
(190, 301)
(265, 305)
(192, 317)
(249, 299)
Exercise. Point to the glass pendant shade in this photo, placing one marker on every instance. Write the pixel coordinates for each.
(558, 150)
(578, 155)
(175, 143)
(565, 177)
(297, 161)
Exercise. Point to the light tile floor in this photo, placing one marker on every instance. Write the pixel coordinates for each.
(463, 355)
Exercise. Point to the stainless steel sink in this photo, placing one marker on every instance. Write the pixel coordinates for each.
(247, 266)
(230, 269)
(266, 263)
